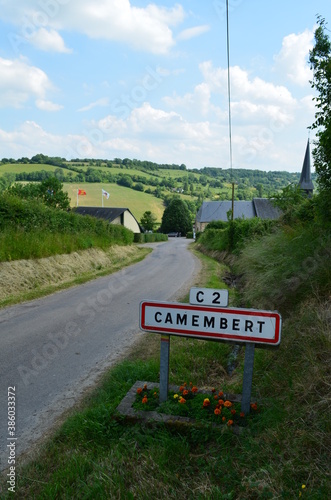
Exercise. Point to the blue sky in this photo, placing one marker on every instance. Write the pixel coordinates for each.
(134, 79)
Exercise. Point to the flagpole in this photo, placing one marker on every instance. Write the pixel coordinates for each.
(102, 197)
(77, 197)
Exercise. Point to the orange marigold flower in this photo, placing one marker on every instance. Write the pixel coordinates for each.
(220, 402)
(228, 404)
(191, 384)
(230, 422)
(213, 389)
(181, 388)
(206, 402)
(223, 419)
(145, 387)
(194, 388)
(185, 393)
(242, 414)
(254, 406)
(139, 390)
(185, 384)
(233, 412)
(217, 411)
(220, 394)
(155, 394)
(215, 397)
(182, 400)
(144, 400)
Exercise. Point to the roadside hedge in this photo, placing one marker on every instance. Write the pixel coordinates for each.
(32, 215)
(149, 237)
(235, 234)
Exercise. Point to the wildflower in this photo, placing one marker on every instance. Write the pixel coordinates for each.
(254, 406)
(139, 390)
(303, 486)
(220, 394)
(191, 384)
(182, 400)
(230, 422)
(185, 384)
(194, 388)
(144, 400)
(228, 404)
(145, 387)
(155, 394)
(217, 411)
(220, 402)
(213, 389)
(223, 419)
(242, 414)
(185, 393)
(216, 397)
(233, 412)
(176, 396)
(206, 402)
(181, 388)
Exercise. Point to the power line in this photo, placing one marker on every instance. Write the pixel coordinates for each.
(229, 86)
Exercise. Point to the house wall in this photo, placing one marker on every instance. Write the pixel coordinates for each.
(130, 222)
(117, 220)
(200, 226)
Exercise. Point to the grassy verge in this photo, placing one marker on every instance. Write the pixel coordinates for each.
(285, 447)
(31, 279)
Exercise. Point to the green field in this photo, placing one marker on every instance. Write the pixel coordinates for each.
(137, 202)
(18, 168)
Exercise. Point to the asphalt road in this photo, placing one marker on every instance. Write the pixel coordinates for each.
(52, 349)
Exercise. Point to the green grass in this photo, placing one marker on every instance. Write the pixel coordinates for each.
(18, 168)
(137, 202)
(20, 244)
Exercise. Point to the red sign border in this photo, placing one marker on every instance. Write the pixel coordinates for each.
(209, 335)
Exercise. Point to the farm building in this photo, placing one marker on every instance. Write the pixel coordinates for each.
(218, 210)
(121, 216)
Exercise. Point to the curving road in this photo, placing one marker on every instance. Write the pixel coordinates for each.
(52, 349)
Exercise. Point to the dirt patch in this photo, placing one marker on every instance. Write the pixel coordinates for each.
(22, 276)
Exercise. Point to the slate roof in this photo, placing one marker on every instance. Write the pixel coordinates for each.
(305, 181)
(217, 210)
(265, 209)
(107, 213)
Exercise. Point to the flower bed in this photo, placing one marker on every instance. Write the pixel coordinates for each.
(188, 403)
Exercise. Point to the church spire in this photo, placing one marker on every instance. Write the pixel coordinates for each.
(305, 182)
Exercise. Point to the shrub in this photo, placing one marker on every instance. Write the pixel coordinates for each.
(149, 237)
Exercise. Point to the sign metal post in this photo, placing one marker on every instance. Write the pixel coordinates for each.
(164, 367)
(248, 378)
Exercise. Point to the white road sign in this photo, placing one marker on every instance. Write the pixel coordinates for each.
(216, 323)
(209, 297)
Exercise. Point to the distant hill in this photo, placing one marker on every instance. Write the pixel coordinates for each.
(144, 185)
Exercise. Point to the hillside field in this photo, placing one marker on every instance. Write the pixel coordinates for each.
(120, 196)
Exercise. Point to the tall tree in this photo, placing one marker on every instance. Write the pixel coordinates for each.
(148, 220)
(320, 63)
(176, 217)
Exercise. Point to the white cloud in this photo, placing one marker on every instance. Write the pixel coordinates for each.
(19, 82)
(147, 29)
(193, 32)
(99, 103)
(30, 138)
(244, 87)
(49, 41)
(47, 105)
(293, 56)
